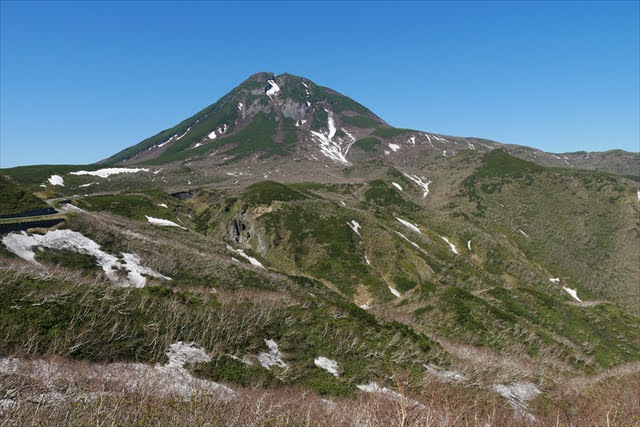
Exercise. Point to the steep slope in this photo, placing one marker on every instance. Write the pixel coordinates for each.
(266, 114)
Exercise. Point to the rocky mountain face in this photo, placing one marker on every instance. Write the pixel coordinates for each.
(286, 238)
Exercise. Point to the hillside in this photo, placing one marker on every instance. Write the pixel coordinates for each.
(287, 246)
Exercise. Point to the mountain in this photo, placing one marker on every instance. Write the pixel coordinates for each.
(286, 115)
(285, 252)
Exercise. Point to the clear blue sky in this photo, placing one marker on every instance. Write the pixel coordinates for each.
(83, 80)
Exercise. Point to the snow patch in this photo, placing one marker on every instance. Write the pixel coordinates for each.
(328, 365)
(451, 245)
(355, 226)
(518, 395)
(22, 244)
(56, 180)
(163, 222)
(523, 233)
(366, 259)
(273, 358)
(412, 140)
(573, 293)
(337, 149)
(469, 244)
(104, 173)
(398, 186)
(638, 195)
(395, 292)
(421, 182)
(394, 147)
(212, 135)
(409, 225)
(251, 259)
(273, 88)
(87, 185)
(163, 205)
(554, 280)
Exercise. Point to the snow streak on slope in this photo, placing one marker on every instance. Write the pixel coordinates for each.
(328, 365)
(163, 222)
(412, 243)
(395, 184)
(573, 293)
(451, 245)
(251, 259)
(335, 149)
(420, 181)
(407, 224)
(104, 173)
(22, 244)
(395, 292)
(355, 226)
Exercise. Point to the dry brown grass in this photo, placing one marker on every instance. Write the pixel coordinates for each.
(80, 393)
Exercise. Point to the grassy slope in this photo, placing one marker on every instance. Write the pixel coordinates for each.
(15, 199)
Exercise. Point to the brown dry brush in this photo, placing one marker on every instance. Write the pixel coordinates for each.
(79, 393)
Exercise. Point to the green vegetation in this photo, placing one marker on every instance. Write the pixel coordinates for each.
(389, 132)
(360, 121)
(266, 192)
(369, 144)
(38, 174)
(134, 206)
(15, 199)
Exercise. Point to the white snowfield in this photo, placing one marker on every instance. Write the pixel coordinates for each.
(410, 226)
(104, 173)
(638, 195)
(412, 140)
(22, 245)
(355, 226)
(273, 358)
(395, 292)
(161, 380)
(163, 222)
(335, 149)
(328, 365)
(572, 292)
(469, 244)
(451, 245)
(56, 180)
(273, 89)
(554, 280)
(421, 182)
(87, 185)
(251, 259)
(398, 186)
(163, 205)
(212, 135)
(394, 147)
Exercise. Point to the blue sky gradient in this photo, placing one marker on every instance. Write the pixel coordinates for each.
(80, 81)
